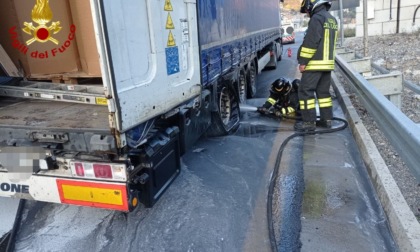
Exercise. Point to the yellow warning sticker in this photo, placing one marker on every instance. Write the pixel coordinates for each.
(101, 101)
(169, 23)
(168, 5)
(171, 39)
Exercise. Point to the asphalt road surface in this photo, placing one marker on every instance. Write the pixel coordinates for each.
(324, 200)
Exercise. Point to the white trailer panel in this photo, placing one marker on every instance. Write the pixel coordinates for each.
(147, 69)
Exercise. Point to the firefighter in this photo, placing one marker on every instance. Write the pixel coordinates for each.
(283, 99)
(316, 61)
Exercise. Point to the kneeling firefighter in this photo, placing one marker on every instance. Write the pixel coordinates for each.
(316, 61)
(283, 99)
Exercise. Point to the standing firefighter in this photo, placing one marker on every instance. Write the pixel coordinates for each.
(316, 61)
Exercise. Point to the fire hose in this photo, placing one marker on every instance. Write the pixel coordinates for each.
(273, 180)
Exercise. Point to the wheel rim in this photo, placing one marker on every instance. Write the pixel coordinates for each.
(225, 106)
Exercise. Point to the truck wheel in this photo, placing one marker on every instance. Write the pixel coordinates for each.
(226, 120)
(252, 80)
(242, 86)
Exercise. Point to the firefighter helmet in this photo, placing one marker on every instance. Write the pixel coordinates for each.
(308, 6)
(281, 86)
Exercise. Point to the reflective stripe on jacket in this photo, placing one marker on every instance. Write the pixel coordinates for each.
(317, 51)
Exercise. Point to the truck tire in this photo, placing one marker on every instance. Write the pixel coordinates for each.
(252, 79)
(242, 86)
(226, 119)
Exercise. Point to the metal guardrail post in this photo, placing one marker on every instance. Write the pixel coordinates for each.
(403, 133)
(409, 84)
(362, 66)
(347, 55)
(390, 85)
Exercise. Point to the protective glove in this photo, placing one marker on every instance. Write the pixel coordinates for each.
(262, 110)
(287, 110)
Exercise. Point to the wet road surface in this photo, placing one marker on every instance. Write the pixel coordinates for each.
(325, 201)
(218, 203)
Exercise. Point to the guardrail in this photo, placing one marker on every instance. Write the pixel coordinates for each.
(403, 133)
(415, 88)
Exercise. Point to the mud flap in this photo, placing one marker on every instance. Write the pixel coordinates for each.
(193, 123)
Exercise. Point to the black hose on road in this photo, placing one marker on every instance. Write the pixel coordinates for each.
(273, 180)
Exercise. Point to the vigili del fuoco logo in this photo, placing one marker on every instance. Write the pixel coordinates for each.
(42, 32)
(42, 15)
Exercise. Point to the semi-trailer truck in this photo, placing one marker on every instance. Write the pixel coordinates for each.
(172, 70)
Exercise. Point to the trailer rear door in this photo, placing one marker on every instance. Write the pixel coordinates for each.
(149, 56)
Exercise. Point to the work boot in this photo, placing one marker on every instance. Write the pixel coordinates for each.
(324, 124)
(305, 126)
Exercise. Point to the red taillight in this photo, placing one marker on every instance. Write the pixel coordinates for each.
(102, 171)
(79, 169)
(98, 171)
